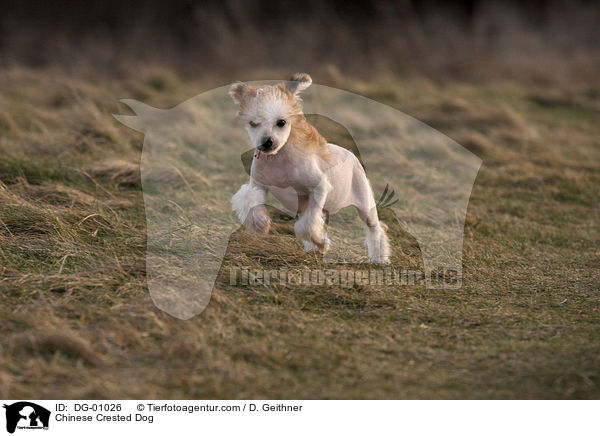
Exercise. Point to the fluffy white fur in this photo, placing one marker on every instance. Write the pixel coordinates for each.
(305, 173)
(249, 204)
(377, 244)
(310, 228)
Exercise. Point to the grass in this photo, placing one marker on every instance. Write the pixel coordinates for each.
(77, 320)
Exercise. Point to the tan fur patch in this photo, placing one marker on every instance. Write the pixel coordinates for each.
(260, 95)
(306, 136)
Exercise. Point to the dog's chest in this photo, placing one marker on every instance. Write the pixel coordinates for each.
(283, 171)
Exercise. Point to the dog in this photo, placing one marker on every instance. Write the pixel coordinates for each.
(301, 169)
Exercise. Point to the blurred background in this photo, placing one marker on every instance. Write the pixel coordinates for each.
(530, 40)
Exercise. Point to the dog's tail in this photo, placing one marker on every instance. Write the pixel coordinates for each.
(387, 198)
(386, 201)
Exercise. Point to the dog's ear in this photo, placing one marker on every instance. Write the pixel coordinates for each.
(298, 83)
(237, 90)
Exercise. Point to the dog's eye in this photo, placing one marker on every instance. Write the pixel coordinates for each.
(253, 124)
(280, 123)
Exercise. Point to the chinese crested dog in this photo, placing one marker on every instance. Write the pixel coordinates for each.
(305, 173)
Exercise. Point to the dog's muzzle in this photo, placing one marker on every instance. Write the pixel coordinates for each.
(266, 145)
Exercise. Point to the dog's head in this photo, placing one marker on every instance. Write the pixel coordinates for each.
(269, 111)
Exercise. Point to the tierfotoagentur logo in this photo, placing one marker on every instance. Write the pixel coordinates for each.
(25, 415)
(196, 156)
(343, 277)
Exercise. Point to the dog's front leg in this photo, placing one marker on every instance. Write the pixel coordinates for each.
(249, 204)
(310, 227)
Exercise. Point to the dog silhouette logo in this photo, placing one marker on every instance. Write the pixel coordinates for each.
(191, 170)
(26, 415)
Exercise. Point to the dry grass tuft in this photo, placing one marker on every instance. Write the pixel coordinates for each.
(116, 171)
(51, 343)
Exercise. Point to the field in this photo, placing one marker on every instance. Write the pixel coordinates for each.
(77, 321)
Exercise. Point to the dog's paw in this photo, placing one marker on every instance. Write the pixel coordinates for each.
(379, 260)
(322, 248)
(311, 227)
(308, 246)
(264, 227)
(324, 245)
(378, 245)
(258, 220)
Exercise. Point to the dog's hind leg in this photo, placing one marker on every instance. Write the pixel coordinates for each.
(249, 204)
(378, 244)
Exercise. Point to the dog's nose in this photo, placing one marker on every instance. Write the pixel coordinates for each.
(267, 142)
